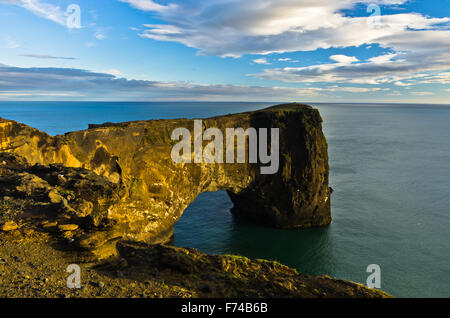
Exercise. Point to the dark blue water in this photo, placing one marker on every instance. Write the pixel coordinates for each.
(390, 169)
(60, 117)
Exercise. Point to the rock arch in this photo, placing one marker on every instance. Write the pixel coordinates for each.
(136, 155)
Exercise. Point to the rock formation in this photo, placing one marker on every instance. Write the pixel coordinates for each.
(148, 192)
(103, 197)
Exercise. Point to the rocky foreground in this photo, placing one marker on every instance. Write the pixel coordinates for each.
(104, 197)
(33, 263)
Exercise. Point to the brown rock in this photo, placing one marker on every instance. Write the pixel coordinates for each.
(68, 235)
(48, 225)
(9, 226)
(68, 227)
(131, 179)
(55, 197)
(28, 231)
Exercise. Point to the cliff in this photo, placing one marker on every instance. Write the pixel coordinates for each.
(136, 156)
(102, 197)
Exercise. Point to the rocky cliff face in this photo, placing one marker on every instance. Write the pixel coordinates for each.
(97, 197)
(151, 191)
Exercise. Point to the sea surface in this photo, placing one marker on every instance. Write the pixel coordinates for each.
(390, 171)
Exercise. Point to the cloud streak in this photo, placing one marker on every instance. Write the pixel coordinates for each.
(47, 57)
(261, 61)
(417, 67)
(20, 82)
(42, 9)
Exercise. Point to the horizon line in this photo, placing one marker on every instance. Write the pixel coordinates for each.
(223, 101)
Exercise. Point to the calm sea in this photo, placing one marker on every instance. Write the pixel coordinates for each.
(390, 169)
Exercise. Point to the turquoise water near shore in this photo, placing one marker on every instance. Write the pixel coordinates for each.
(390, 169)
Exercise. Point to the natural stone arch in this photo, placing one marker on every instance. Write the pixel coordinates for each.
(137, 155)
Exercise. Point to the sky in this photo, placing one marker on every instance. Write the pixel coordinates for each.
(225, 50)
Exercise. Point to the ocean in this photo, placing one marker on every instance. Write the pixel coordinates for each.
(389, 168)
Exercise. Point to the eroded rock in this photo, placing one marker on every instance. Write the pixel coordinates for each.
(9, 226)
(135, 157)
(40, 200)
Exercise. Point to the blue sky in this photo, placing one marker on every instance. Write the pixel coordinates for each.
(252, 50)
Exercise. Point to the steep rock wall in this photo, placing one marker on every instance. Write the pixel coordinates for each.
(137, 155)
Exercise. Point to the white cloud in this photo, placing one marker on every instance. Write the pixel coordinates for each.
(343, 59)
(261, 61)
(438, 78)
(382, 69)
(402, 84)
(231, 28)
(42, 9)
(60, 82)
(100, 33)
(288, 60)
(228, 28)
(10, 43)
(99, 36)
(422, 93)
(396, 93)
(382, 59)
(35, 82)
(15, 94)
(149, 5)
(67, 84)
(114, 72)
(354, 89)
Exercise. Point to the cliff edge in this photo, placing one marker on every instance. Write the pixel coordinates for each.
(154, 191)
(103, 197)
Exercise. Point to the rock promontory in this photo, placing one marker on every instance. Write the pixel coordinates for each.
(108, 196)
(154, 191)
